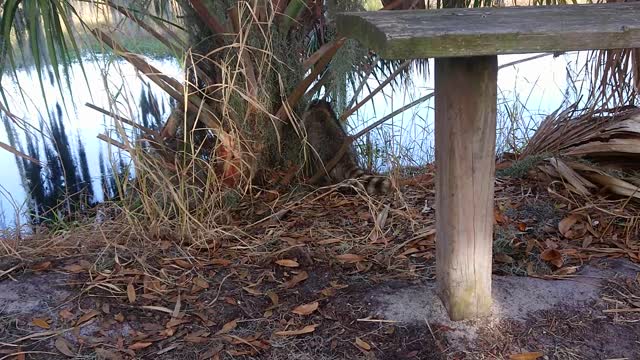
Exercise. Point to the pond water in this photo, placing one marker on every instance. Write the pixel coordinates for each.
(531, 90)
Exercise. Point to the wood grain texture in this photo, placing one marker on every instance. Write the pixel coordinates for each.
(465, 126)
(491, 31)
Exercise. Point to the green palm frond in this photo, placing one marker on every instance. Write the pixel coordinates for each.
(47, 34)
(39, 30)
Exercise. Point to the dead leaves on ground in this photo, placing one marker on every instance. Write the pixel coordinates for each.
(302, 331)
(295, 280)
(362, 344)
(350, 258)
(131, 293)
(64, 347)
(306, 309)
(553, 256)
(526, 356)
(228, 327)
(288, 263)
(41, 323)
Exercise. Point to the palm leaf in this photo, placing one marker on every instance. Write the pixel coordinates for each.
(46, 39)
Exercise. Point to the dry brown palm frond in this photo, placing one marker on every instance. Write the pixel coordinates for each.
(614, 77)
(609, 140)
(611, 137)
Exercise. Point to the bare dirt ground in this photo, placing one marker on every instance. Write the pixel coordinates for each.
(336, 276)
(579, 318)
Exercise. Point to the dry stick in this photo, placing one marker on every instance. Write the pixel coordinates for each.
(347, 143)
(154, 139)
(173, 47)
(122, 146)
(113, 142)
(347, 113)
(122, 119)
(170, 85)
(18, 153)
(302, 87)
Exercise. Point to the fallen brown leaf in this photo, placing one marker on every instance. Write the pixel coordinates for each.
(498, 216)
(587, 241)
(329, 241)
(140, 345)
(242, 352)
(503, 258)
(522, 226)
(566, 270)
(131, 293)
(306, 309)
(228, 327)
(565, 224)
(526, 356)
(41, 323)
(86, 317)
(183, 263)
(305, 330)
(221, 262)
(337, 285)
(350, 258)
(231, 301)
(211, 354)
(252, 291)
(177, 307)
(74, 268)
(275, 300)
(296, 279)
(64, 347)
(330, 291)
(197, 338)
(65, 314)
(288, 263)
(175, 322)
(107, 354)
(362, 344)
(553, 256)
(200, 282)
(41, 266)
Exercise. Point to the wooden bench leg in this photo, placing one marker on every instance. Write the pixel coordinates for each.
(465, 126)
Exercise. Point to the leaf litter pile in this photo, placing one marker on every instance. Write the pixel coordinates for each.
(292, 275)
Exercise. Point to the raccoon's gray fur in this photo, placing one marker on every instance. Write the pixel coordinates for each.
(325, 136)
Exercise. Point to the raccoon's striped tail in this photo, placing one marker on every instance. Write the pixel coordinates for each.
(373, 184)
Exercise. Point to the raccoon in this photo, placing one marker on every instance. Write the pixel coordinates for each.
(325, 136)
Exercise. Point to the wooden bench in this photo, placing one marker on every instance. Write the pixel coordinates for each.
(465, 43)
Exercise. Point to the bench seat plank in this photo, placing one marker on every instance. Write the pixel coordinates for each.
(494, 31)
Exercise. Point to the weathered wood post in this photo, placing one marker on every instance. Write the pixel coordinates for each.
(465, 126)
(465, 43)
